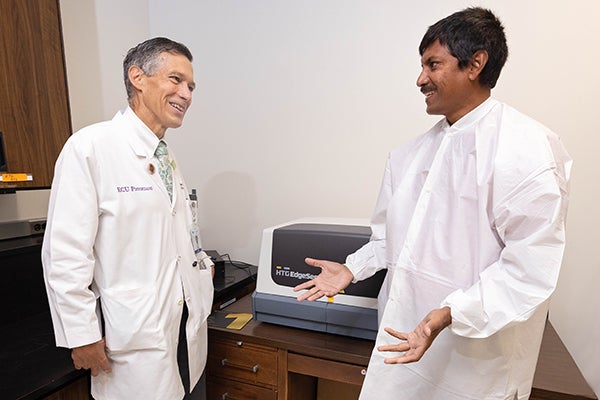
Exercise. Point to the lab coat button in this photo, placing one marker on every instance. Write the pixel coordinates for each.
(174, 212)
(180, 302)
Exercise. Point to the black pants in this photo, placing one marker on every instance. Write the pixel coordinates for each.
(182, 361)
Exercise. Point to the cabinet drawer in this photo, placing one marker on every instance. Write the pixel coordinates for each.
(224, 389)
(242, 361)
(332, 370)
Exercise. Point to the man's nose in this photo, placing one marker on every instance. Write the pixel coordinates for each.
(185, 92)
(422, 79)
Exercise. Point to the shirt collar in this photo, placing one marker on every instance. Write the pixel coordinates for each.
(143, 141)
(471, 117)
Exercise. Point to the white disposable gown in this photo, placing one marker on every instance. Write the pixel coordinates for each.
(470, 216)
(114, 234)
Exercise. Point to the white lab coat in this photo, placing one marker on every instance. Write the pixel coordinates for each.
(471, 216)
(113, 234)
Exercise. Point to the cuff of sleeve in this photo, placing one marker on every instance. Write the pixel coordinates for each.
(357, 267)
(463, 318)
(79, 337)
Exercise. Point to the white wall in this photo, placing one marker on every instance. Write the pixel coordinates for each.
(298, 103)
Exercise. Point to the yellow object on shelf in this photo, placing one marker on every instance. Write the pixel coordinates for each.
(9, 177)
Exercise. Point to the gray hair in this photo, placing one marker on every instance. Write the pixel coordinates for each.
(146, 55)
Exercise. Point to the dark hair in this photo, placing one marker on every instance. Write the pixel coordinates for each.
(468, 31)
(146, 56)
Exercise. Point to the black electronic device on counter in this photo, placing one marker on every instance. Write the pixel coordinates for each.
(219, 265)
(235, 280)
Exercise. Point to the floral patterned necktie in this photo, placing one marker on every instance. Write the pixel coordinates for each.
(164, 167)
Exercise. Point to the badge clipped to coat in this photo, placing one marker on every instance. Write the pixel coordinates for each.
(203, 260)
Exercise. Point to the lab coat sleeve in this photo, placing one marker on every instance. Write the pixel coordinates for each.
(67, 253)
(370, 258)
(530, 221)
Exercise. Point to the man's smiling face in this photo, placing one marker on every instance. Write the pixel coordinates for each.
(446, 87)
(167, 93)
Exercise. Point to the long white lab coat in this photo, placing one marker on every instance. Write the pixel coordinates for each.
(113, 234)
(471, 216)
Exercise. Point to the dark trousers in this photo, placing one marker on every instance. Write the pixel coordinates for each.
(182, 361)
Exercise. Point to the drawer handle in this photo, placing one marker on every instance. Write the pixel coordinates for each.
(227, 363)
(227, 396)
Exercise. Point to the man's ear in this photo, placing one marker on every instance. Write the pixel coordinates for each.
(478, 62)
(136, 76)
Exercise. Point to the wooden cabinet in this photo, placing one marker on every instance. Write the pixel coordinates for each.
(237, 369)
(34, 113)
(77, 390)
(263, 362)
(297, 364)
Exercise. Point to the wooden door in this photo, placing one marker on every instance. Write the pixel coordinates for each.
(34, 112)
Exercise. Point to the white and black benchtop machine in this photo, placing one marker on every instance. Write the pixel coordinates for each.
(281, 267)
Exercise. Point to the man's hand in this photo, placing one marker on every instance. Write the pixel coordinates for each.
(333, 278)
(416, 343)
(91, 356)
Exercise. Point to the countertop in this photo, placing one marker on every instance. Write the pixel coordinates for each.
(31, 366)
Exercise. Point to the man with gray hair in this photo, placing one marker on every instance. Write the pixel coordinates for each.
(127, 281)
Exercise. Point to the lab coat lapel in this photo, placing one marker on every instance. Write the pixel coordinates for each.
(143, 142)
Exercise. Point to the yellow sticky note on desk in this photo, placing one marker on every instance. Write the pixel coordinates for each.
(241, 319)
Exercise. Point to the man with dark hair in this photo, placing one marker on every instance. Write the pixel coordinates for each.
(470, 224)
(467, 32)
(128, 285)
